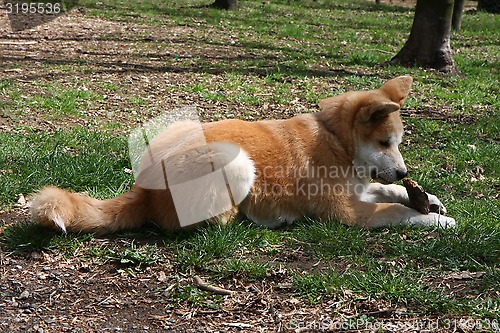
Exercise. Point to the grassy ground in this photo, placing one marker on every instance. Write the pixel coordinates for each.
(68, 102)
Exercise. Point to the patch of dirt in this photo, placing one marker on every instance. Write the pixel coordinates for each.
(122, 62)
(469, 5)
(47, 292)
(13, 216)
(44, 292)
(440, 114)
(137, 72)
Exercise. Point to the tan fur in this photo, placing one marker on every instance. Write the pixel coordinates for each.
(345, 135)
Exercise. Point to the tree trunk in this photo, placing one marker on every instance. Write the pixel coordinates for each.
(491, 6)
(225, 4)
(429, 41)
(458, 10)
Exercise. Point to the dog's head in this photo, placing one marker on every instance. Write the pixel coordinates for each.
(370, 129)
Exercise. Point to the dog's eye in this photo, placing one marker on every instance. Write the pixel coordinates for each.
(385, 143)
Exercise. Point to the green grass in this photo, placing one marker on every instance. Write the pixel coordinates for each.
(54, 100)
(210, 243)
(77, 159)
(29, 237)
(294, 53)
(403, 288)
(246, 268)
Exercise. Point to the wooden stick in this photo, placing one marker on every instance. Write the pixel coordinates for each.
(19, 43)
(238, 325)
(205, 287)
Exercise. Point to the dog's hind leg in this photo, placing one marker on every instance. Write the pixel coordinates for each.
(205, 183)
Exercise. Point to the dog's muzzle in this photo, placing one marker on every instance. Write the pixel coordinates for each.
(400, 174)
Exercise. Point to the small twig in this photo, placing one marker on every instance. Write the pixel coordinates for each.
(19, 43)
(379, 313)
(301, 242)
(238, 325)
(205, 287)
(381, 51)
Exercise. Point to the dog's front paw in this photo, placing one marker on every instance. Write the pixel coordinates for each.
(431, 220)
(444, 221)
(436, 206)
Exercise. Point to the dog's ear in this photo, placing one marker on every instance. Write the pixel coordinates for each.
(398, 88)
(377, 111)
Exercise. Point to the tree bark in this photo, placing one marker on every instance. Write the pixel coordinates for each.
(429, 41)
(491, 6)
(225, 4)
(458, 10)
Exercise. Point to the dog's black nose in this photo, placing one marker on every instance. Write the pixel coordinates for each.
(401, 174)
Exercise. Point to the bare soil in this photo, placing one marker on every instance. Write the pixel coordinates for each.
(153, 64)
(43, 291)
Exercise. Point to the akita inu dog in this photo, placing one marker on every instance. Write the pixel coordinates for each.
(318, 165)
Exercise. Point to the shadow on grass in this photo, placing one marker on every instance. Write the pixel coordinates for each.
(467, 249)
(239, 58)
(207, 68)
(139, 248)
(27, 236)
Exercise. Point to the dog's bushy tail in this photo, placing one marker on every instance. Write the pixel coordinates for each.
(56, 208)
